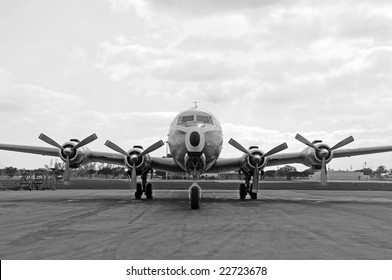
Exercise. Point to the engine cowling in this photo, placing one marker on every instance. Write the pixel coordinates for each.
(249, 163)
(142, 163)
(314, 157)
(77, 157)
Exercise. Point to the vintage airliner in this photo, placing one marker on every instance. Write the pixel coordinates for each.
(195, 141)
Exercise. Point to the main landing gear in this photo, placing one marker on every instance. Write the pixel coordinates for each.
(247, 188)
(143, 187)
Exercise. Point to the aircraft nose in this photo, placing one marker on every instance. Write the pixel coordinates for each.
(194, 138)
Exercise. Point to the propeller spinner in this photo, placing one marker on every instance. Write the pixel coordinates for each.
(67, 151)
(324, 152)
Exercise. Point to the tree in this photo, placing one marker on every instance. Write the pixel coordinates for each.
(88, 169)
(91, 172)
(269, 173)
(307, 172)
(287, 171)
(367, 171)
(105, 171)
(118, 171)
(381, 171)
(11, 171)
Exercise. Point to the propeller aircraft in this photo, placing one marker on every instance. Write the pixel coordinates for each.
(195, 142)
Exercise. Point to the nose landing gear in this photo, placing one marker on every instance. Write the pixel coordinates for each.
(195, 195)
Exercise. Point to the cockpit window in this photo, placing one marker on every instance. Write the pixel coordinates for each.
(187, 119)
(204, 119)
(195, 120)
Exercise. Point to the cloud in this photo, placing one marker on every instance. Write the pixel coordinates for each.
(23, 100)
(286, 66)
(139, 6)
(78, 54)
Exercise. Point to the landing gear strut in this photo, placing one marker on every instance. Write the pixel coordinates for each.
(144, 187)
(247, 188)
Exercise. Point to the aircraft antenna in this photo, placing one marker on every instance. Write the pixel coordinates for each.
(195, 104)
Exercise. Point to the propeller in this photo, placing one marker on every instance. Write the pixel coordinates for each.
(324, 152)
(133, 158)
(257, 158)
(67, 151)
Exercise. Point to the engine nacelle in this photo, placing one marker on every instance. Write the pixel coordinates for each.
(248, 163)
(77, 157)
(142, 164)
(314, 157)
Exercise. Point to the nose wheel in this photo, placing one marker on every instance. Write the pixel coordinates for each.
(194, 196)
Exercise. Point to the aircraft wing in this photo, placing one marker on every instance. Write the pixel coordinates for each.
(90, 156)
(165, 164)
(45, 151)
(285, 158)
(226, 165)
(361, 151)
(299, 157)
(157, 163)
(234, 164)
(104, 157)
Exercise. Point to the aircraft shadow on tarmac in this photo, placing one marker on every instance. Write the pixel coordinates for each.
(206, 202)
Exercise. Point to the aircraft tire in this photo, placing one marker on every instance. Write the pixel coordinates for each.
(242, 191)
(149, 191)
(253, 195)
(195, 198)
(139, 192)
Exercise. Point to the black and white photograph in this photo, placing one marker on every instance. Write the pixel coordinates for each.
(213, 130)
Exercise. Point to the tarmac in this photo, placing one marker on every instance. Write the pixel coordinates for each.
(111, 224)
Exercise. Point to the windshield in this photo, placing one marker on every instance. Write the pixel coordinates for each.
(185, 119)
(192, 120)
(204, 119)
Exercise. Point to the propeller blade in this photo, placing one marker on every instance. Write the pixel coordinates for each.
(49, 140)
(86, 141)
(255, 186)
(275, 150)
(133, 179)
(152, 148)
(323, 173)
(342, 143)
(238, 146)
(116, 148)
(302, 139)
(67, 171)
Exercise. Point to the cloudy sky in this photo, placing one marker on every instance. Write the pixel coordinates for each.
(266, 69)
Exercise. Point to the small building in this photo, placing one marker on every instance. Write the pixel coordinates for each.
(209, 176)
(341, 176)
(229, 176)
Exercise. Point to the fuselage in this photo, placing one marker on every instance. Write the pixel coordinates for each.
(195, 140)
